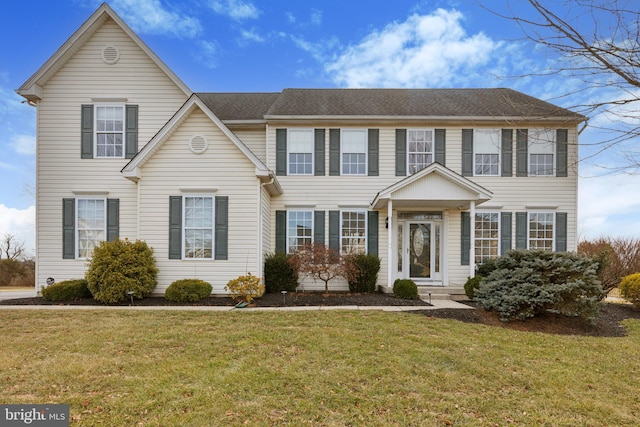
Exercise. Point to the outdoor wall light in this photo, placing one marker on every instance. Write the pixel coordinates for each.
(386, 222)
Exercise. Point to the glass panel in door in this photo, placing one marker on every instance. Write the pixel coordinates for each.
(420, 250)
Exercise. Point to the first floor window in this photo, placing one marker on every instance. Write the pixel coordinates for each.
(487, 236)
(300, 151)
(198, 227)
(419, 149)
(354, 152)
(541, 227)
(109, 130)
(353, 232)
(91, 225)
(299, 230)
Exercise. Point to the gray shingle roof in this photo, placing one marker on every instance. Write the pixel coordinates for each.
(239, 106)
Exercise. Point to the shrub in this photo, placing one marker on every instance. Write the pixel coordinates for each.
(630, 288)
(362, 272)
(486, 267)
(279, 273)
(188, 290)
(528, 283)
(471, 285)
(405, 288)
(67, 290)
(245, 288)
(119, 267)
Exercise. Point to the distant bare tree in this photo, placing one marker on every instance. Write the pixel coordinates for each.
(618, 258)
(11, 248)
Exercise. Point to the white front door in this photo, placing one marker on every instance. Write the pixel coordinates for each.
(421, 246)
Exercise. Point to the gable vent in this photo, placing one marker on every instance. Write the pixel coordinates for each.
(110, 54)
(198, 144)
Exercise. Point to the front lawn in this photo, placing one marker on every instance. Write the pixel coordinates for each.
(165, 368)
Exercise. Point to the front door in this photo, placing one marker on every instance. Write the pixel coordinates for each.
(421, 247)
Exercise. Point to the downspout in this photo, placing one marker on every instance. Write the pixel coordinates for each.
(261, 225)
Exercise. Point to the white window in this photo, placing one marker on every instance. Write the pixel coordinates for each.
(541, 152)
(353, 147)
(109, 130)
(91, 225)
(486, 148)
(541, 227)
(198, 227)
(487, 236)
(353, 232)
(299, 230)
(300, 151)
(419, 149)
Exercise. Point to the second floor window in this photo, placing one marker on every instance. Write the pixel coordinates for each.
(486, 151)
(300, 151)
(354, 152)
(541, 152)
(109, 130)
(419, 149)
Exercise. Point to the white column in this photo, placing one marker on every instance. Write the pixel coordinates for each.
(472, 245)
(390, 263)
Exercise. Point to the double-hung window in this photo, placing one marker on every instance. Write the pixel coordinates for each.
(300, 151)
(109, 130)
(419, 149)
(541, 152)
(91, 225)
(487, 236)
(541, 230)
(353, 232)
(353, 149)
(299, 230)
(198, 227)
(487, 143)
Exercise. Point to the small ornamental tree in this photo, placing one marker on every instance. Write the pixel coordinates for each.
(319, 262)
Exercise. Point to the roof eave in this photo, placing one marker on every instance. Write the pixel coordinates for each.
(564, 119)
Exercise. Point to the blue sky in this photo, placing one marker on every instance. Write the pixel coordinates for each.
(259, 45)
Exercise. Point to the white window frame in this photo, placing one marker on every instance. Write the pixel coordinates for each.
(97, 132)
(425, 153)
(542, 142)
(291, 142)
(538, 239)
(185, 228)
(478, 252)
(95, 241)
(480, 145)
(342, 231)
(290, 236)
(343, 152)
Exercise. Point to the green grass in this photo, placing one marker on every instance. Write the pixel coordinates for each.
(167, 368)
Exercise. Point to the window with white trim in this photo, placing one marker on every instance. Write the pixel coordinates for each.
(299, 230)
(91, 225)
(487, 236)
(353, 232)
(198, 227)
(300, 151)
(541, 226)
(353, 151)
(419, 149)
(486, 149)
(109, 130)
(542, 147)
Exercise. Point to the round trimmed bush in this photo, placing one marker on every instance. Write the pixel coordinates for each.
(362, 272)
(119, 267)
(630, 288)
(188, 290)
(405, 288)
(471, 285)
(279, 273)
(67, 290)
(245, 288)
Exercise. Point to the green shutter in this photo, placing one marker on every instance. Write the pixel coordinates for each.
(113, 219)
(319, 152)
(562, 136)
(522, 142)
(131, 137)
(334, 230)
(505, 232)
(334, 152)
(68, 228)
(281, 231)
(374, 152)
(561, 231)
(507, 152)
(467, 152)
(86, 132)
(318, 227)
(372, 233)
(440, 146)
(281, 152)
(521, 230)
(465, 241)
(175, 227)
(222, 227)
(401, 152)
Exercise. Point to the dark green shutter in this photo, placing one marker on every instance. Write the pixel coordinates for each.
(281, 152)
(175, 227)
(131, 137)
(467, 152)
(507, 152)
(222, 227)
(319, 152)
(562, 136)
(334, 152)
(318, 227)
(372, 233)
(441, 146)
(113, 219)
(281, 231)
(374, 152)
(334, 230)
(68, 228)
(401, 152)
(561, 231)
(522, 143)
(521, 230)
(505, 232)
(465, 241)
(86, 132)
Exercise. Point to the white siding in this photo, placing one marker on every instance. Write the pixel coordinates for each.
(255, 140)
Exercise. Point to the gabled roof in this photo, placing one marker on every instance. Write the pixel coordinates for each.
(32, 88)
(233, 106)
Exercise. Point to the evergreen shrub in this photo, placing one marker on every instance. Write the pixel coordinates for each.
(188, 290)
(630, 288)
(245, 288)
(405, 288)
(279, 273)
(362, 272)
(471, 285)
(67, 290)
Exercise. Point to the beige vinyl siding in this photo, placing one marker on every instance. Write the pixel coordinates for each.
(60, 170)
(254, 140)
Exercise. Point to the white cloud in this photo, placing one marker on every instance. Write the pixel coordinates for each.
(20, 223)
(24, 144)
(208, 53)
(150, 17)
(251, 36)
(316, 16)
(235, 9)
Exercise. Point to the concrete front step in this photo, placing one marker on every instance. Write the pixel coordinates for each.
(441, 293)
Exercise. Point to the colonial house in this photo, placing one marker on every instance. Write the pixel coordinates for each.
(433, 181)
